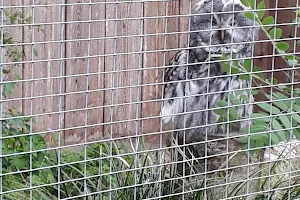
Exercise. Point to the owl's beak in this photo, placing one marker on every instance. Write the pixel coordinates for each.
(222, 35)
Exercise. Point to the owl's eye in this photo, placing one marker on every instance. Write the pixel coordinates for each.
(214, 22)
(232, 23)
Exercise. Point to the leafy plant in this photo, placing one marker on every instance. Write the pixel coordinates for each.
(278, 120)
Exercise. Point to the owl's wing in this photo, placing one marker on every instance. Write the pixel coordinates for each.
(174, 88)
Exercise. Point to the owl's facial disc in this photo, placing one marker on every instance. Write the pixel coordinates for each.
(222, 27)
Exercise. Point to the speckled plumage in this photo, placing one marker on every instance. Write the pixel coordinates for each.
(205, 84)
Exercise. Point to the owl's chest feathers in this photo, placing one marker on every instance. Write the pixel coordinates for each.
(210, 80)
(207, 86)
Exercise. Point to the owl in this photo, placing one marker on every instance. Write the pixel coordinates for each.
(193, 86)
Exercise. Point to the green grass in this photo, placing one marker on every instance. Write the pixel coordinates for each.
(120, 172)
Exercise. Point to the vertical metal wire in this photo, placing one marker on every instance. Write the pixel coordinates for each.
(138, 99)
(1, 98)
(87, 98)
(249, 109)
(206, 169)
(184, 83)
(227, 181)
(112, 190)
(32, 90)
(271, 92)
(61, 91)
(162, 99)
(112, 95)
(291, 103)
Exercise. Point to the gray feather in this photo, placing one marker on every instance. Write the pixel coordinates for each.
(197, 97)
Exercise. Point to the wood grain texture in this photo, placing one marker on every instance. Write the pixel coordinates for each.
(272, 60)
(79, 63)
(161, 41)
(119, 62)
(97, 67)
(17, 34)
(37, 70)
(110, 72)
(151, 61)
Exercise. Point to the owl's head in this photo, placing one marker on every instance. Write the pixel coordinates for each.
(221, 23)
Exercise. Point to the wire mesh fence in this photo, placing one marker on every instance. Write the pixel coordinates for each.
(149, 99)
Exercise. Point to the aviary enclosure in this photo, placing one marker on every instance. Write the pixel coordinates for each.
(82, 87)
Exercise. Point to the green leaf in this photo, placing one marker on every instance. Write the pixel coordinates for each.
(274, 138)
(296, 134)
(280, 96)
(244, 77)
(220, 112)
(234, 70)
(251, 3)
(272, 81)
(8, 88)
(243, 140)
(285, 121)
(254, 129)
(260, 140)
(17, 77)
(268, 21)
(225, 67)
(250, 15)
(257, 69)
(296, 117)
(267, 107)
(281, 105)
(297, 21)
(247, 65)
(276, 34)
(245, 98)
(292, 59)
(19, 162)
(236, 102)
(298, 42)
(233, 114)
(222, 103)
(262, 116)
(231, 97)
(5, 71)
(282, 46)
(254, 92)
(245, 3)
(276, 126)
(255, 140)
(261, 7)
(35, 52)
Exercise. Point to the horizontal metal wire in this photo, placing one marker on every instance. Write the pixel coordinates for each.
(150, 51)
(147, 35)
(126, 187)
(159, 100)
(138, 88)
(285, 158)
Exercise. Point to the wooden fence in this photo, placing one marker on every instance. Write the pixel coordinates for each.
(79, 38)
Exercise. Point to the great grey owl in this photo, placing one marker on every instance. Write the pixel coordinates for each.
(195, 88)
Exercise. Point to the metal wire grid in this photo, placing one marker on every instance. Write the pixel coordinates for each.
(34, 62)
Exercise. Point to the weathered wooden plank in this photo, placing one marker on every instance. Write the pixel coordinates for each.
(37, 70)
(271, 61)
(16, 33)
(129, 61)
(153, 60)
(79, 63)
(96, 82)
(161, 41)
(186, 7)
